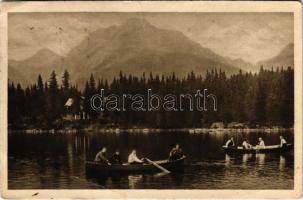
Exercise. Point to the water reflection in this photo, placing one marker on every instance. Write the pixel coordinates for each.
(246, 157)
(260, 158)
(282, 163)
(160, 174)
(133, 180)
(60, 158)
(227, 160)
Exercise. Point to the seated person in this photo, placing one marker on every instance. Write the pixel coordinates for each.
(101, 156)
(261, 143)
(176, 153)
(116, 159)
(133, 159)
(282, 142)
(230, 142)
(246, 145)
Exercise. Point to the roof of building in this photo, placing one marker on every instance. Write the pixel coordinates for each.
(69, 102)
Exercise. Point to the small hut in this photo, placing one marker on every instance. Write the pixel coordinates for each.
(74, 109)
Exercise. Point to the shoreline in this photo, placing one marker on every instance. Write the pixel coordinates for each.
(149, 130)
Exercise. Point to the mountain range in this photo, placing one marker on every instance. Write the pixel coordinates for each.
(285, 58)
(134, 47)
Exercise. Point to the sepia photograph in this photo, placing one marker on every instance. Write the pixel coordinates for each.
(136, 100)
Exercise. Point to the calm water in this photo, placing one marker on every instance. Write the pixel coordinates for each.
(57, 161)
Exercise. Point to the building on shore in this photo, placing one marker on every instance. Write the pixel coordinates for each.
(74, 109)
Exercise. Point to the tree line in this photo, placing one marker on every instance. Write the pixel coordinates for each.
(265, 98)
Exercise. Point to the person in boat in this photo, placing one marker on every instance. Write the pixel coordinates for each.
(176, 153)
(101, 156)
(282, 142)
(133, 158)
(230, 142)
(246, 145)
(116, 158)
(261, 143)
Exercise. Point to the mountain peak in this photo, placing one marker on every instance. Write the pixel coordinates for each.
(136, 22)
(284, 58)
(45, 52)
(289, 47)
(134, 47)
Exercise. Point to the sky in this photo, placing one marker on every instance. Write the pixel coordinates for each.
(248, 36)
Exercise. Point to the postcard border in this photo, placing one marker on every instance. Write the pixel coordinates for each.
(153, 6)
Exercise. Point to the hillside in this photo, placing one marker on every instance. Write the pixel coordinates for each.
(135, 46)
(285, 58)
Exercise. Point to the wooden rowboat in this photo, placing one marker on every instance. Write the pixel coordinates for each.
(266, 149)
(101, 168)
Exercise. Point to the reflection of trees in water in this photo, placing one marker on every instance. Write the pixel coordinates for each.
(70, 157)
(81, 145)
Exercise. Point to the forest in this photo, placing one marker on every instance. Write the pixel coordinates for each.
(258, 99)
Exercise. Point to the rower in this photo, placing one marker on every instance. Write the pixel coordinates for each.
(176, 153)
(246, 145)
(101, 156)
(133, 159)
(282, 142)
(116, 158)
(230, 142)
(261, 143)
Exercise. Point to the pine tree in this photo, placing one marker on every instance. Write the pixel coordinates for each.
(92, 83)
(40, 83)
(12, 106)
(53, 99)
(265, 98)
(65, 80)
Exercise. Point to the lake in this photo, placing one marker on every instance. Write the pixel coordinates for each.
(56, 161)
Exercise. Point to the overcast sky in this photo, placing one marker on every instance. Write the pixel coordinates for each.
(250, 36)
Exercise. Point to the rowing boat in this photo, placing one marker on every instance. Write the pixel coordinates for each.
(266, 149)
(96, 167)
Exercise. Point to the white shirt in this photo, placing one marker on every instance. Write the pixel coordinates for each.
(133, 158)
(283, 141)
(246, 145)
(228, 142)
(261, 143)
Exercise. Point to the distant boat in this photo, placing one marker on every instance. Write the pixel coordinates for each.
(266, 149)
(99, 168)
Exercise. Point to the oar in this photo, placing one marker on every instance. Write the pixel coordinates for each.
(158, 166)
